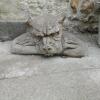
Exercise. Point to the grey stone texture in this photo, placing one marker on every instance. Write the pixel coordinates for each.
(21, 10)
(55, 78)
(14, 14)
(47, 37)
(16, 9)
(31, 77)
(10, 9)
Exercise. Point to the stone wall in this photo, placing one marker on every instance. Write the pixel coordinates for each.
(14, 14)
(10, 9)
(17, 9)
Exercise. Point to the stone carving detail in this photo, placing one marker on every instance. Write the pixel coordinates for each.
(82, 8)
(47, 37)
(84, 12)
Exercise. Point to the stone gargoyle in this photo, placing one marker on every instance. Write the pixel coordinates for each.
(46, 37)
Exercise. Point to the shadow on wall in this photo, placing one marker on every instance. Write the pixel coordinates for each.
(11, 29)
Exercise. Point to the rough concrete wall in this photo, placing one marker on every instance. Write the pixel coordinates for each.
(14, 13)
(16, 9)
(10, 9)
(21, 9)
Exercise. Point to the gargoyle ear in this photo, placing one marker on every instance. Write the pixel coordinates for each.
(29, 21)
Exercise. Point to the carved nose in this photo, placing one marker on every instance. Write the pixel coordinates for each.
(47, 48)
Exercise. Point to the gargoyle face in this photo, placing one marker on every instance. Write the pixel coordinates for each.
(50, 44)
(47, 30)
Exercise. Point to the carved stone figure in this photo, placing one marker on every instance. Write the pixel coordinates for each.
(47, 37)
(83, 12)
(82, 8)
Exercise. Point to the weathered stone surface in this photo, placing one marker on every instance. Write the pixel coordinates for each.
(16, 9)
(50, 78)
(20, 10)
(47, 37)
(11, 10)
(34, 77)
(84, 12)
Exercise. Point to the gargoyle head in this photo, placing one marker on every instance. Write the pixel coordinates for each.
(47, 29)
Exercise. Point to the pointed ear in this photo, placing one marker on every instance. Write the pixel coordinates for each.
(29, 21)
